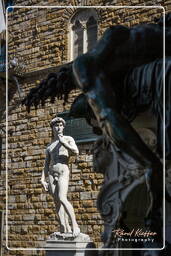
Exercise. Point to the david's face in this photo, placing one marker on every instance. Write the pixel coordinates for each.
(58, 128)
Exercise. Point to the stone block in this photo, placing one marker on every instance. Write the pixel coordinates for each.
(85, 195)
(23, 198)
(11, 199)
(87, 203)
(75, 177)
(28, 217)
(95, 195)
(67, 246)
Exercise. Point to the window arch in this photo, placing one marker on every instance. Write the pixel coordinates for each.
(83, 32)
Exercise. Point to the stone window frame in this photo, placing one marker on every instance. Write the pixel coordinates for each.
(83, 16)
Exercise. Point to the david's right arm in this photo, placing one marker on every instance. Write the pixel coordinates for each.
(45, 171)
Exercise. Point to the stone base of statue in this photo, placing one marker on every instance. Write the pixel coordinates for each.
(64, 244)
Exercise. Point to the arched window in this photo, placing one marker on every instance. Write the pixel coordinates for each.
(77, 39)
(91, 33)
(83, 32)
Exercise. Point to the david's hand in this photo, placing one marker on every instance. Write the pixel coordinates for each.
(45, 185)
(61, 139)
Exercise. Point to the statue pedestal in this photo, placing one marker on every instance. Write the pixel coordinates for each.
(66, 245)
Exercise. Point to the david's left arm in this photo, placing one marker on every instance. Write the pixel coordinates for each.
(69, 144)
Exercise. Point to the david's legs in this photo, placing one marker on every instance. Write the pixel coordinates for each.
(63, 217)
(63, 189)
(68, 228)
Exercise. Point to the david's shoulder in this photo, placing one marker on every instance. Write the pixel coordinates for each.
(49, 146)
(69, 138)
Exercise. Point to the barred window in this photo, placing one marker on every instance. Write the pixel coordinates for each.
(91, 33)
(78, 39)
(83, 32)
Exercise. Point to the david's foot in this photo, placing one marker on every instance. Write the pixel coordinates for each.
(68, 229)
(76, 231)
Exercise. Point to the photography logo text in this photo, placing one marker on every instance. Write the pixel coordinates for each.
(135, 235)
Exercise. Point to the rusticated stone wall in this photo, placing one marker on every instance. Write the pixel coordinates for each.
(40, 40)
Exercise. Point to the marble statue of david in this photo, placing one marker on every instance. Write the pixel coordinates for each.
(56, 171)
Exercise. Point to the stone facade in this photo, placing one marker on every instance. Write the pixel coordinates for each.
(39, 38)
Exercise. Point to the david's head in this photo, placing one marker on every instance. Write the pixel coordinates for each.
(57, 125)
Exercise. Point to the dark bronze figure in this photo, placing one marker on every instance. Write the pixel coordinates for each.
(121, 77)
